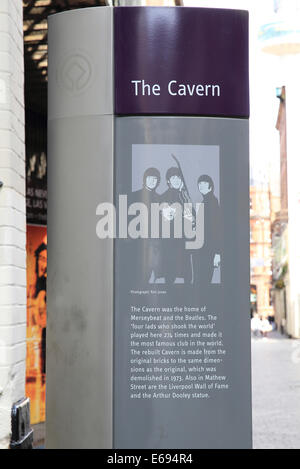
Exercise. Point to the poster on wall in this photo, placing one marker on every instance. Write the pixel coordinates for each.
(36, 320)
(36, 189)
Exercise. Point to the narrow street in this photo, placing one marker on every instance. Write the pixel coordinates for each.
(276, 392)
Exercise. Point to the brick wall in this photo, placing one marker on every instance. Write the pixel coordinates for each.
(12, 215)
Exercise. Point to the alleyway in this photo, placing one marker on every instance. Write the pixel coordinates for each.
(276, 392)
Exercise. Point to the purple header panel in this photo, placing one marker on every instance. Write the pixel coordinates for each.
(180, 60)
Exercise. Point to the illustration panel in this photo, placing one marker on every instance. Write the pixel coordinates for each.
(180, 174)
(181, 316)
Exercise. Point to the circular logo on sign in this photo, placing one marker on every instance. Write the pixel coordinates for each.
(75, 73)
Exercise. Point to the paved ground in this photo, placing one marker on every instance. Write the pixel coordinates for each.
(39, 436)
(276, 392)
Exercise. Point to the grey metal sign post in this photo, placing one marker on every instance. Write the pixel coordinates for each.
(148, 336)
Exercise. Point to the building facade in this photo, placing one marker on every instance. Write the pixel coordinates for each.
(260, 249)
(281, 37)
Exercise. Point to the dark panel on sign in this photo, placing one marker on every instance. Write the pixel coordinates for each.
(191, 61)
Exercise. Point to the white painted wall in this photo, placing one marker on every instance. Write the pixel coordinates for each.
(12, 215)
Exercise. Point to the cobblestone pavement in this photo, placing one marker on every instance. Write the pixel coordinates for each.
(276, 392)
